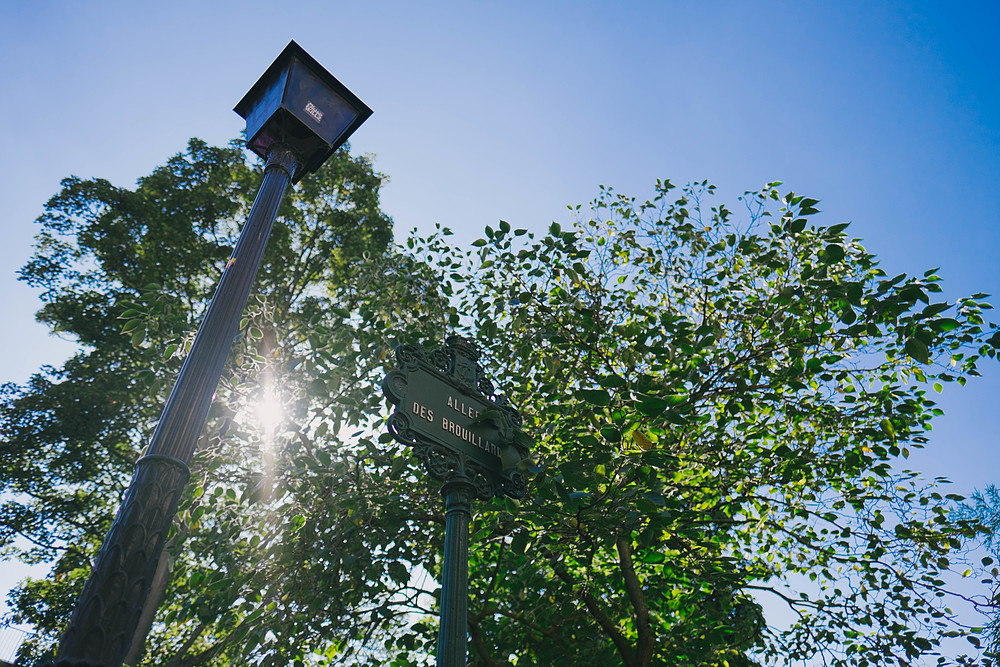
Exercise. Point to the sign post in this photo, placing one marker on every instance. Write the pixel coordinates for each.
(467, 436)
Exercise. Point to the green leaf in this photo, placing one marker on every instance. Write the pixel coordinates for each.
(597, 397)
(613, 382)
(944, 325)
(655, 497)
(834, 253)
(917, 349)
(797, 225)
(522, 439)
(519, 544)
(510, 457)
(652, 406)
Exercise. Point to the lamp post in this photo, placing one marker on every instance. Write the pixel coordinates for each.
(297, 115)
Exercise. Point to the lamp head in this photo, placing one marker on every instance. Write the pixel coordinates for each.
(298, 103)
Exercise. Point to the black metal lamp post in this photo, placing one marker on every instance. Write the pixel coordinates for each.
(297, 115)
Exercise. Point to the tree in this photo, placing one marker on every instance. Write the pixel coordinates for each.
(717, 406)
(984, 508)
(128, 274)
(721, 405)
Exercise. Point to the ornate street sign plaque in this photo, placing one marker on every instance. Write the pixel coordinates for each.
(449, 413)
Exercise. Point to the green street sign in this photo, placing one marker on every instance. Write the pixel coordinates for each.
(448, 412)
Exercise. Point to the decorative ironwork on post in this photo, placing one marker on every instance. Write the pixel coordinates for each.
(467, 436)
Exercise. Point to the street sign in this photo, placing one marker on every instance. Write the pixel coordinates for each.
(470, 438)
(448, 412)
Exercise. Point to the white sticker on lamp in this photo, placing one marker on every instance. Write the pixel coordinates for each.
(313, 111)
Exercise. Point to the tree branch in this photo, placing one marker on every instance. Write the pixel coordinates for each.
(644, 642)
(594, 608)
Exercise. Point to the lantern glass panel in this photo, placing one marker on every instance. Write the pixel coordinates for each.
(267, 103)
(315, 104)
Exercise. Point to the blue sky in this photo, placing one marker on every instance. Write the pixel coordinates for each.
(888, 112)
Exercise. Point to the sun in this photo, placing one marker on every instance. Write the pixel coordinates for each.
(269, 410)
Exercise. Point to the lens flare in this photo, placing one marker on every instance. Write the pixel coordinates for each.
(270, 411)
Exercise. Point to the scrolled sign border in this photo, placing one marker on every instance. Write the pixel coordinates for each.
(456, 365)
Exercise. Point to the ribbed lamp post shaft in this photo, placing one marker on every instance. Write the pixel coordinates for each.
(106, 615)
(452, 648)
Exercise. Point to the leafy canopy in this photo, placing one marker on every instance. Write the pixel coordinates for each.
(720, 405)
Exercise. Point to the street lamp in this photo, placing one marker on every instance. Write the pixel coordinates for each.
(297, 115)
(298, 104)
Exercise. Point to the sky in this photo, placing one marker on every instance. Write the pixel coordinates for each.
(888, 112)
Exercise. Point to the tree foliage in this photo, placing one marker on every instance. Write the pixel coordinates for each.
(984, 508)
(722, 405)
(128, 273)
